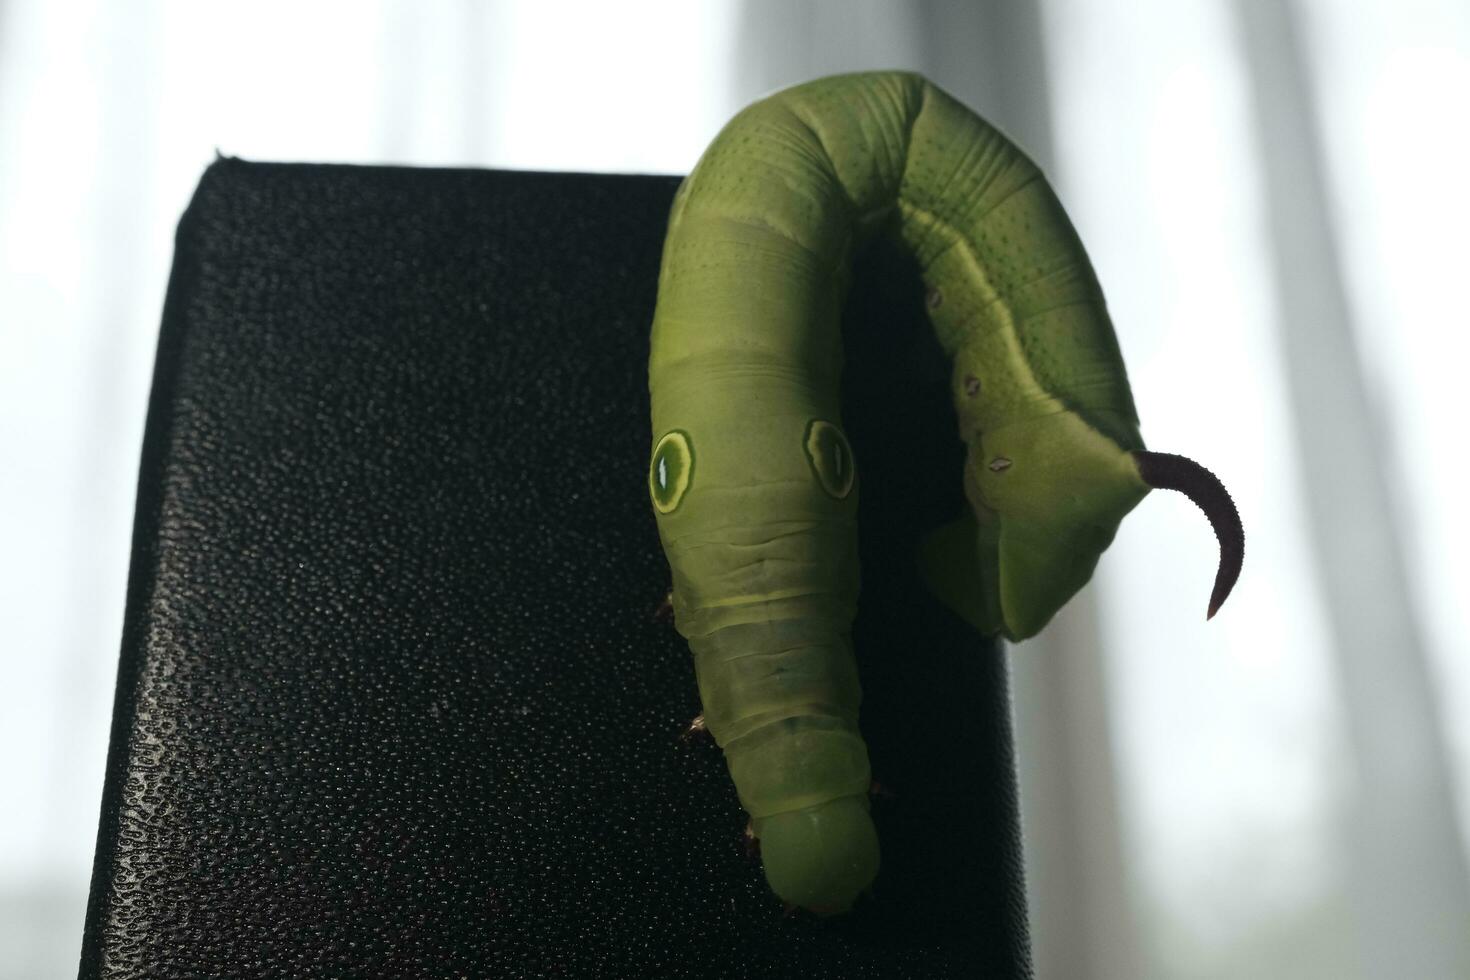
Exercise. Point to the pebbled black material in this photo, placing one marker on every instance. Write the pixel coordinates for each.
(393, 700)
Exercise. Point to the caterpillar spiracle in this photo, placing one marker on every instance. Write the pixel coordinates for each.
(753, 482)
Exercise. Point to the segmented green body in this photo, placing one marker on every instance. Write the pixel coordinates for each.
(754, 486)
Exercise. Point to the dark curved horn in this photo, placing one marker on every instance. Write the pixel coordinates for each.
(1165, 471)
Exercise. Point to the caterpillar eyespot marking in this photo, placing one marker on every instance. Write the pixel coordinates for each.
(671, 469)
(761, 235)
(830, 457)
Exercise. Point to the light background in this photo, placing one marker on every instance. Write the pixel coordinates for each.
(1274, 196)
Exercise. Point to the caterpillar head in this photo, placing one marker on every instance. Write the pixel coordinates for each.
(822, 857)
(1048, 494)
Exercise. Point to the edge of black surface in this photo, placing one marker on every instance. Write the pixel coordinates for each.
(142, 567)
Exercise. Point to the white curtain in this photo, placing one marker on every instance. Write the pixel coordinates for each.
(1273, 194)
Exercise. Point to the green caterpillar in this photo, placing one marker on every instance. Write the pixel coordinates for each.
(755, 487)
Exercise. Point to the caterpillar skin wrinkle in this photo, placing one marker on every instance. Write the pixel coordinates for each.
(753, 483)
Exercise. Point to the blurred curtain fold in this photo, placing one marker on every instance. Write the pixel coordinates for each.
(1408, 877)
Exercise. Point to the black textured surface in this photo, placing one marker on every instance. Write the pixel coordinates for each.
(392, 700)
